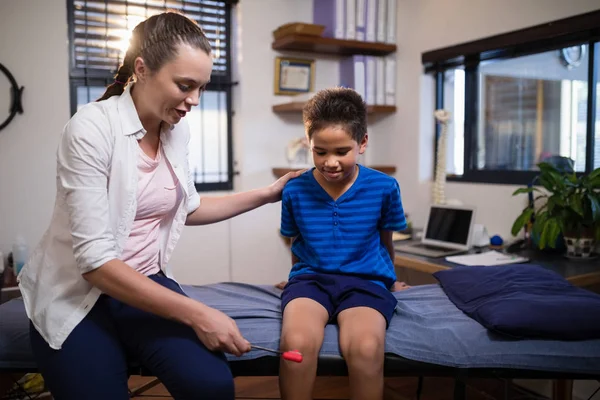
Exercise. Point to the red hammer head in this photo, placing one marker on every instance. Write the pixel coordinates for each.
(293, 355)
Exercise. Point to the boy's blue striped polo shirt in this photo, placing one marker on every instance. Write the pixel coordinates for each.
(342, 236)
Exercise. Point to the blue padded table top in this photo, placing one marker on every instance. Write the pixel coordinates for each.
(426, 327)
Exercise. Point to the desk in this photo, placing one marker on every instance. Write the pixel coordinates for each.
(8, 293)
(579, 273)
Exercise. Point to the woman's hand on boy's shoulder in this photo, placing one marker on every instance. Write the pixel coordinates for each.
(276, 187)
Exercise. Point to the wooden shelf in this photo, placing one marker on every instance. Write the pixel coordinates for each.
(387, 169)
(296, 107)
(318, 44)
(293, 107)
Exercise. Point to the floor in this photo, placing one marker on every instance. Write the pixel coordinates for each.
(335, 388)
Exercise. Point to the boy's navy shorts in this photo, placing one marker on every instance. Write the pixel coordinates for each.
(339, 292)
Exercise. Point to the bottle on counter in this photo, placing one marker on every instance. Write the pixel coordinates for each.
(19, 254)
(9, 278)
(1, 270)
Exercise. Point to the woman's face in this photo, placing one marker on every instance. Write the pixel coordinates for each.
(174, 89)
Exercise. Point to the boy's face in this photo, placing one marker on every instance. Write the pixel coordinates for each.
(335, 153)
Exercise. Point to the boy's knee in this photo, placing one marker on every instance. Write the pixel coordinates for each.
(304, 342)
(367, 350)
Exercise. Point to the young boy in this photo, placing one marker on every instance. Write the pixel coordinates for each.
(341, 216)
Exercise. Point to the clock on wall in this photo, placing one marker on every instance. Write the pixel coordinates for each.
(572, 56)
(14, 94)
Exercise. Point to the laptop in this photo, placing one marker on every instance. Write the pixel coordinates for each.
(448, 231)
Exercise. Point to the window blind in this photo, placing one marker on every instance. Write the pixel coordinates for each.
(101, 29)
(99, 32)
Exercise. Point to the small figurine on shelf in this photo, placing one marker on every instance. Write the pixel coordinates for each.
(298, 154)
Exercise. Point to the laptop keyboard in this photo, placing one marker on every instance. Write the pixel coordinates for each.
(432, 248)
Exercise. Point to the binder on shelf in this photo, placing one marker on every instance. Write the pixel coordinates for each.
(331, 14)
(390, 81)
(391, 22)
(351, 19)
(361, 20)
(371, 21)
(379, 81)
(352, 74)
(381, 21)
(370, 73)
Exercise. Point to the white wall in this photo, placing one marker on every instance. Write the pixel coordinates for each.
(258, 253)
(407, 138)
(426, 25)
(248, 248)
(33, 46)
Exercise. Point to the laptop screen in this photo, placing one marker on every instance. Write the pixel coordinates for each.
(449, 225)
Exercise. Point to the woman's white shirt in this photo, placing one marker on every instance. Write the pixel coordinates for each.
(96, 187)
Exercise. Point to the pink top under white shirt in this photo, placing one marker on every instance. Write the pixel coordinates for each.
(158, 194)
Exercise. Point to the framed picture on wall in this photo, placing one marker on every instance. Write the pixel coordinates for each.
(294, 75)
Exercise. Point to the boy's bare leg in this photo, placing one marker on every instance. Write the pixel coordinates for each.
(303, 329)
(362, 342)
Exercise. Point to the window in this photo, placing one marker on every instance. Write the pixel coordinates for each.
(99, 32)
(453, 99)
(521, 98)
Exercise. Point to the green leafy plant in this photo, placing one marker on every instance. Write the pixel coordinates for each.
(569, 205)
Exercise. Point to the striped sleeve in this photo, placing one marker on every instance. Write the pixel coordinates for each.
(392, 213)
(288, 224)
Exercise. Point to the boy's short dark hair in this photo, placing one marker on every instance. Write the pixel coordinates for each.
(336, 106)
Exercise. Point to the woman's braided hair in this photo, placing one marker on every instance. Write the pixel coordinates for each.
(156, 40)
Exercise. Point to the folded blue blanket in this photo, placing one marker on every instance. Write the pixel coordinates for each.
(523, 301)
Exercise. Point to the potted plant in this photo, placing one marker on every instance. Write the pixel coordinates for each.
(567, 205)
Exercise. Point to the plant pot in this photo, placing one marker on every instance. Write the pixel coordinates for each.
(580, 247)
(558, 246)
